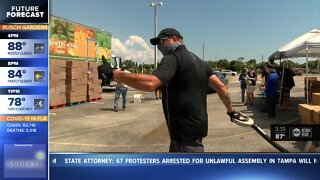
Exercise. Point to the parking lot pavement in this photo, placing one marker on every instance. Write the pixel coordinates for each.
(95, 127)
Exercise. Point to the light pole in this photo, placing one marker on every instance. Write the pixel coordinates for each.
(203, 51)
(203, 44)
(154, 5)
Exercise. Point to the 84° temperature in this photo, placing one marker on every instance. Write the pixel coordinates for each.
(18, 73)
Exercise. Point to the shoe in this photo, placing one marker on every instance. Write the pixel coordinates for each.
(115, 110)
(269, 117)
(123, 109)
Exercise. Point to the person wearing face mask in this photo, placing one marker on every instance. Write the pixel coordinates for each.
(184, 79)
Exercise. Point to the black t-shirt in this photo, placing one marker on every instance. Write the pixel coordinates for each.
(104, 69)
(184, 78)
(252, 75)
(265, 75)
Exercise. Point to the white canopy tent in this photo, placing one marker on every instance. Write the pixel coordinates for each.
(307, 45)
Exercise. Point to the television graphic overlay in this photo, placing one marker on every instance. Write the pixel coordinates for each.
(24, 89)
(105, 145)
(91, 141)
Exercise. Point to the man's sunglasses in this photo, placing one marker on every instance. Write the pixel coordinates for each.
(163, 39)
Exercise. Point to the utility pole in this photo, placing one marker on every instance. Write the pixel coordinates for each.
(154, 5)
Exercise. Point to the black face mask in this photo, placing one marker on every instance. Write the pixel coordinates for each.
(166, 49)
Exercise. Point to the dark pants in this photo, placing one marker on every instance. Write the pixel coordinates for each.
(243, 95)
(190, 146)
(271, 102)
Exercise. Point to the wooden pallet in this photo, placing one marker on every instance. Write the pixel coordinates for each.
(76, 103)
(94, 99)
(58, 106)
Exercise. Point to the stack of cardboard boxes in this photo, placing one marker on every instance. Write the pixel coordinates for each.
(57, 80)
(310, 113)
(77, 80)
(94, 90)
(313, 87)
(73, 81)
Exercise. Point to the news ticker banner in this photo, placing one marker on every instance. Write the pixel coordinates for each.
(24, 89)
(184, 166)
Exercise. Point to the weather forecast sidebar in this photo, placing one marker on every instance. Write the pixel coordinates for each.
(24, 89)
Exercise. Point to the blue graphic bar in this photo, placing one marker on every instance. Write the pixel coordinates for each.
(24, 89)
(184, 166)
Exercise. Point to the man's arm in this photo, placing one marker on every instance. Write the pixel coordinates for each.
(221, 90)
(144, 82)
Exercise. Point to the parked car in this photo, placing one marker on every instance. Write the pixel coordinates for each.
(222, 78)
(229, 72)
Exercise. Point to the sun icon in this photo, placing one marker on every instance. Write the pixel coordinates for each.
(37, 76)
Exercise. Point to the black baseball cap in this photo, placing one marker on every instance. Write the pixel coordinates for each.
(167, 32)
(270, 66)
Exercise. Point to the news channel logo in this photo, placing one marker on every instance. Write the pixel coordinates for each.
(302, 132)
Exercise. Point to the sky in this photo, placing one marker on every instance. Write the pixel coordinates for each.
(222, 29)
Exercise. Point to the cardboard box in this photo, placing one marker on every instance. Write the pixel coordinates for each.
(309, 114)
(306, 113)
(72, 81)
(60, 63)
(60, 75)
(74, 64)
(93, 65)
(83, 65)
(316, 98)
(137, 98)
(57, 98)
(93, 96)
(57, 82)
(313, 89)
(59, 70)
(316, 116)
(57, 101)
(74, 99)
(84, 81)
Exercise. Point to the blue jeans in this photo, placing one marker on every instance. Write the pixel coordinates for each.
(120, 91)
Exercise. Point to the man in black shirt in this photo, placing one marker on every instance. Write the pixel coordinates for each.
(184, 79)
(104, 71)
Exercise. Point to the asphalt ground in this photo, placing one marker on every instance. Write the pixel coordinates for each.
(95, 127)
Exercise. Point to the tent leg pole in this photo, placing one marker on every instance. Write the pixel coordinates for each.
(307, 68)
(318, 66)
(281, 85)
